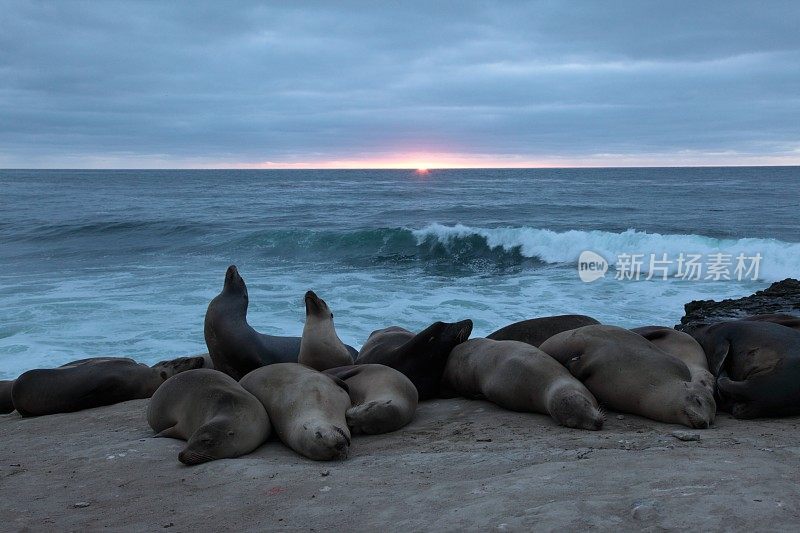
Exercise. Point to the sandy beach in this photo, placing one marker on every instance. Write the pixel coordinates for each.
(460, 465)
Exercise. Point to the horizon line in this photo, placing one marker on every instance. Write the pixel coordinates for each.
(413, 168)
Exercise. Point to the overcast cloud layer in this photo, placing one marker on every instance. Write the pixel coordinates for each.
(162, 84)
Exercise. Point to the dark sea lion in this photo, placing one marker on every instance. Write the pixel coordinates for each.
(6, 403)
(182, 364)
(684, 347)
(87, 383)
(320, 347)
(420, 357)
(521, 377)
(383, 398)
(537, 330)
(628, 373)
(757, 364)
(790, 321)
(211, 411)
(307, 408)
(234, 346)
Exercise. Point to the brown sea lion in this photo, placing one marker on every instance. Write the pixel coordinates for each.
(383, 398)
(520, 377)
(537, 330)
(234, 346)
(320, 347)
(307, 408)
(211, 411)
(684, 347)
(92, 382)
(628, 373)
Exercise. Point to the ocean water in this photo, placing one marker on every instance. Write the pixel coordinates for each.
(125, 262)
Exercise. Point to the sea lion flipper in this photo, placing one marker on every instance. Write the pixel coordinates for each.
(171, 433)
(737, 390)
(344, 372)
(339, 382)
(717, 359)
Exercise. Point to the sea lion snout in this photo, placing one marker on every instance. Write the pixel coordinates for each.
(314, 304)
(573, 410)
(234, 281)
(699, 409)
(193, 457)
(330, 442)
(459, 331)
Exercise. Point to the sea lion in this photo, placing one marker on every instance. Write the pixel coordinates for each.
(182, 364)
(234, 346)
(684, 347)
(88, 383)
(211, 411)
(420, 357)
(207, 362)
(537, 330)
(307, 408)
(320, 347)
(790, 321)
(628, 373)
(757, 365)
(6, 403)
(383, 398)
(521, 377)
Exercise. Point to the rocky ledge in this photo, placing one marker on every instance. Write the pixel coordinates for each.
(782, 297)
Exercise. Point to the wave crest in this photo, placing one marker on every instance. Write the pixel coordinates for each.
(780, 259)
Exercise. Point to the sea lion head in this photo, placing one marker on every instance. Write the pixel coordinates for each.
(454, 333)
(572, 409)
(176, 366)
(325, 441)
(211, 441)
(696, 408)
(316, 307)
(234, 284)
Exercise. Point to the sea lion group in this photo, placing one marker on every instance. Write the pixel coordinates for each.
(315, 392)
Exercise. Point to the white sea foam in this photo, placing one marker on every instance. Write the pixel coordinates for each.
(779, 259)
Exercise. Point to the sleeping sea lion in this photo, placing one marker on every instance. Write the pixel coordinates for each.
(211, 411)
(628, 373)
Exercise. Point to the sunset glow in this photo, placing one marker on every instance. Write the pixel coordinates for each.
(423, 163)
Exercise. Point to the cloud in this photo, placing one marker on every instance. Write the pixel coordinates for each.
(203, 84)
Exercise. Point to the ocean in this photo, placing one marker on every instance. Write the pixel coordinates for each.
(124, 262)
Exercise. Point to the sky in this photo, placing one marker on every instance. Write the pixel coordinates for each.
(398, 84)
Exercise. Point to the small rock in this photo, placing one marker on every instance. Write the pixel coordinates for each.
(325, 473)
(620, 417)
(81, 505)
(483, 440)
(325, 489)
(644, 510)
(685, 435)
